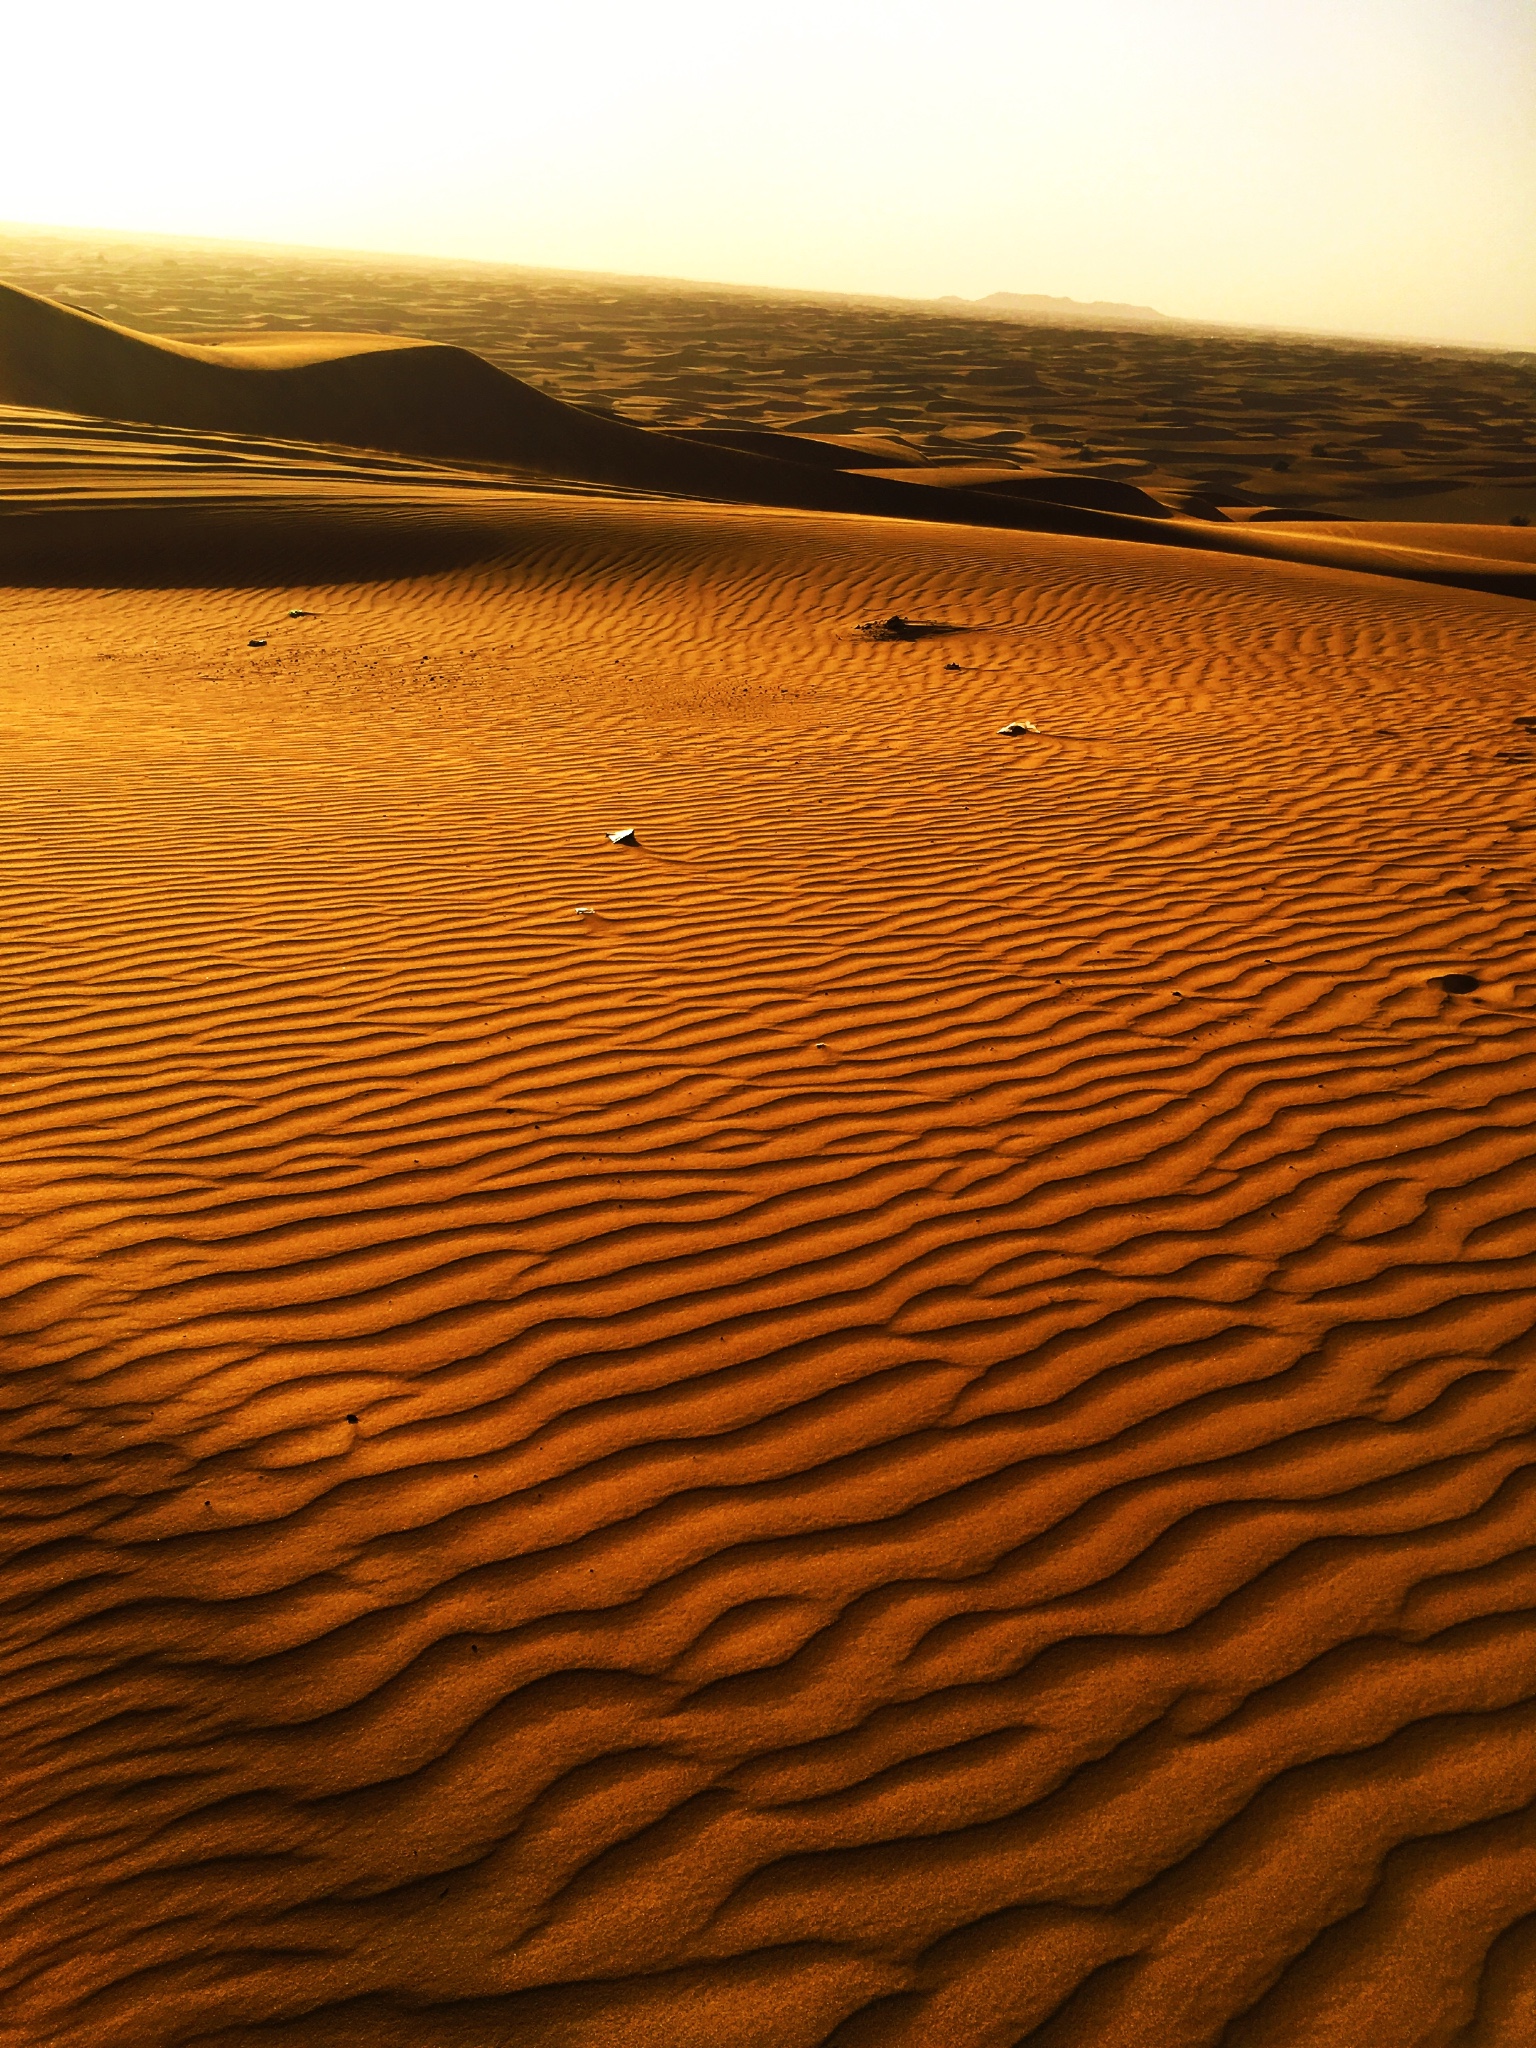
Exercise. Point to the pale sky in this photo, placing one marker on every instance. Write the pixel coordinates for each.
(1355, 166)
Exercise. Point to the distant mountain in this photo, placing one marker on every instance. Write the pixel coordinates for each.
(1083, 312)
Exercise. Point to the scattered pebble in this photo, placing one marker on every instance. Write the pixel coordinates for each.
(625, 836)
(255, 643)
(301, 615)
(1019, 725)
(585, 910)
(954, 665)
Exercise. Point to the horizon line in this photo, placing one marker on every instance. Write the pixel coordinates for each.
(975, 307)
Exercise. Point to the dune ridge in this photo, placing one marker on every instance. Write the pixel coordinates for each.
(1201, 419)
(899, 1417)
(446, 404)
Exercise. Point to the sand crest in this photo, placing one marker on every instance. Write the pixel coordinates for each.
(446, 404)
(1205, 417)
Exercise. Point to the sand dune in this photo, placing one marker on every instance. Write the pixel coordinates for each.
(85, 501)
(898, 1416)
(1307, 424)
(382, 392)
(1494, 543)
(447, 405)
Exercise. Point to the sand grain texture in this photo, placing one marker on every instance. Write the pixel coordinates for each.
(899, 1415)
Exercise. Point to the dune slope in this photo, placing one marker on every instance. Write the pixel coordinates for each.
(898, 1417)
(447, 404)
(1317, 425)
(376, 391)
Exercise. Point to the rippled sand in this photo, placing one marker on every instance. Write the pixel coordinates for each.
(900, 1416)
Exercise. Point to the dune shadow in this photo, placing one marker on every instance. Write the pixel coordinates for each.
(237, 546)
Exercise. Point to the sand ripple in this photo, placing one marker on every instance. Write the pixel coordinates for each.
(917, 1432)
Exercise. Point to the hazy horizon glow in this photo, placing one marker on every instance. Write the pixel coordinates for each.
(1364, 166)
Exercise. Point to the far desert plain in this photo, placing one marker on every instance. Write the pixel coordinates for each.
(767, 1168)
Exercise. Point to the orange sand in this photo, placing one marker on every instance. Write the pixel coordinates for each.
(1359, 429)
(901, 1417)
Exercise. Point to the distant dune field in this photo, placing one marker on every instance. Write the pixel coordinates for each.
(1204, 417)
(892, 1410)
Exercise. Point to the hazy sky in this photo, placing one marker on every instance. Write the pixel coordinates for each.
(1354, 165)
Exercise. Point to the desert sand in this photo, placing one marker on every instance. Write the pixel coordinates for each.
(1205, 417)
(896, 1412)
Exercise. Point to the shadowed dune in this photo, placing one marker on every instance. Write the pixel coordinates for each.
(447, 405)
(900, 1416)
(424, 399)
(1309, 424)
(820, 453)
(88, 502)
(1103, 494)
